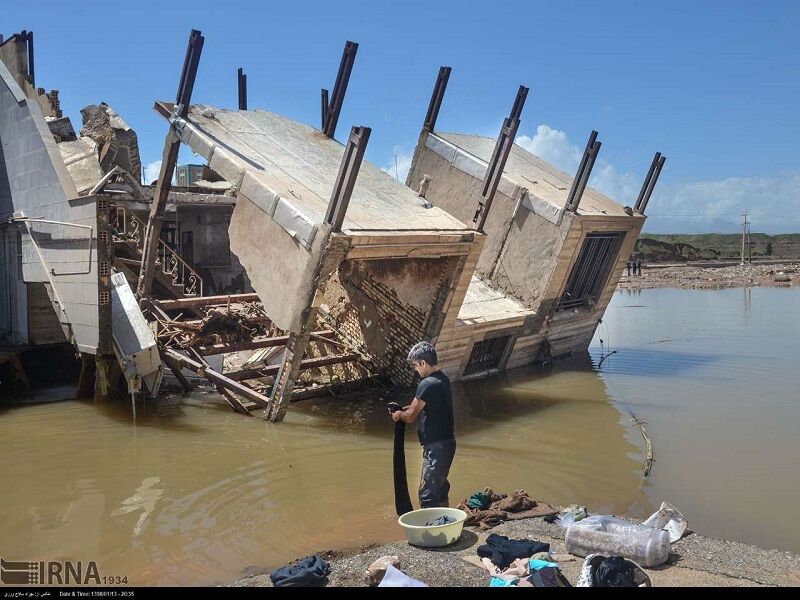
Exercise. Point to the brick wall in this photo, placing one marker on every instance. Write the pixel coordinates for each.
(369, 310)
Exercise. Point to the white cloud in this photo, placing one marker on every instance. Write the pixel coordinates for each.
(553, 146)
(151, 171)
(400, 163)
(716, 205)
(689, 207)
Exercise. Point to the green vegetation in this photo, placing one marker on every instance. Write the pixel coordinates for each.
(715, 246)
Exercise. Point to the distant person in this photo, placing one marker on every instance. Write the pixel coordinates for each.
(433, 404)
(639, 267)
(629, 264)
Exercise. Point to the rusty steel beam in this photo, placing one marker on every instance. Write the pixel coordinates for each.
(436, 99)
(581, 168)
(586, 174)
(184, 303)
(331, 111)
(652, 184)
(502, 149)
(169, 160)
(346, 178)
(242, 85)
(255, 344)
(646, 181)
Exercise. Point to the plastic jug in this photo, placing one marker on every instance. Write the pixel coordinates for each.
(612, 536)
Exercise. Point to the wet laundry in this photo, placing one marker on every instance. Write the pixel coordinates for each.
(402, 499)
(479, 501)
(545, 577)
(614, 571)
(517, 502)
(443, 520)
(502, 508)
(619, 572)
(310, 571)
(503, 551)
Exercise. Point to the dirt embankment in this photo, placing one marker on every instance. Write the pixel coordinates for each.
(702, 276)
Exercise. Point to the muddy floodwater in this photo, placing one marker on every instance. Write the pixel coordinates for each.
(191, 493)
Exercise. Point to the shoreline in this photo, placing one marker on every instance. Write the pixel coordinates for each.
(711, 277)
(694, 560)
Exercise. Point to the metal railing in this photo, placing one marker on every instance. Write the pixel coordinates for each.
(127, 227)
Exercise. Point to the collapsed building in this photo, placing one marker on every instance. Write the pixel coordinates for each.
(554, 251)
(288, 264)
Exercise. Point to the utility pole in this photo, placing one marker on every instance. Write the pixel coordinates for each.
(745, 235)
(749, 245)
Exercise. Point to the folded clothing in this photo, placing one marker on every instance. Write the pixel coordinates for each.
(503, 551)
(310, 571)
(396, 578)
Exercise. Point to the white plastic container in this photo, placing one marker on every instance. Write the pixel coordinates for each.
(432, 536)
(615, 537)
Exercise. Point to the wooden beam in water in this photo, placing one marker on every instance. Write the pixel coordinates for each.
(217, 378)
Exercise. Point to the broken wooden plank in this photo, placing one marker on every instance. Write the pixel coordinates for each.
(255, 344)
(214, 377)
(183, 303)
(176, 370)
(308, 363)
(232, 400)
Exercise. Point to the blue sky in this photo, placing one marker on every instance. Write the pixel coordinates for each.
(715, 86)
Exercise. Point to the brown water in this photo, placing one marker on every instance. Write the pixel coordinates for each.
(191, 493)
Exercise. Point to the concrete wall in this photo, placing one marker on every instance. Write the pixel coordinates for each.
(281, 270)
(458, 193)
(521, 247)
(34, 180)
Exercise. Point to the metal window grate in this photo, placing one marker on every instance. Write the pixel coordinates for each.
(590, 273)
(486, 354)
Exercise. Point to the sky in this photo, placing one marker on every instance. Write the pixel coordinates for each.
(714, 86)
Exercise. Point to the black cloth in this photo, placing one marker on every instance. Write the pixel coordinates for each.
(402, 500)
(614, 571)
(311, 571)
(436, 419)
(548, 577)
(502, 551)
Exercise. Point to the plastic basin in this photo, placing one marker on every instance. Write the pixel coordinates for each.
(432, 536)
